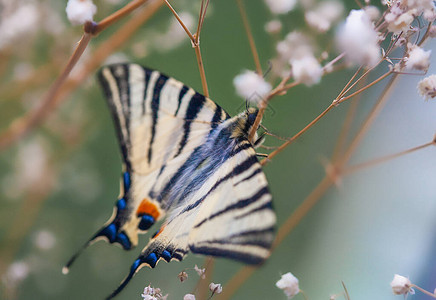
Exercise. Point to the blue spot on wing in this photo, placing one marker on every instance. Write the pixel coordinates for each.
(166, 255)
(109, 231)
(121, 204)
(126, 179)
(123, 240)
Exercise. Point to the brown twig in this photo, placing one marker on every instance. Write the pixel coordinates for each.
(195, 40)
(386, 158)
(122, 12)
(249, 36)
(296, 136)
(61, 88)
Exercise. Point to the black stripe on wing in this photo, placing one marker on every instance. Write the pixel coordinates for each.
(233, 246)
(155, 101)
(182, 94)
(121, 79)
(239, 169)
(147, 75)
(240, 204)
(194, 107)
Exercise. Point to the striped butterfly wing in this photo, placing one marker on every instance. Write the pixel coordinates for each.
(229, 212)
(159, 122)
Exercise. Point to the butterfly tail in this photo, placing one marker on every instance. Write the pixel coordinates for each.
(149, 260)
(110, 232)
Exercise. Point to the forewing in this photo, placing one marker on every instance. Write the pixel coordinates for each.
(159, 122)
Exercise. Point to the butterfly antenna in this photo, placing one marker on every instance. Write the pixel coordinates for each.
(268, 70)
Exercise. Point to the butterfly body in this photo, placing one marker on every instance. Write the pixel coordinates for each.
(186, 158)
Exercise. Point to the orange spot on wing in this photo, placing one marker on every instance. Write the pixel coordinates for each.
(159, 232)
(149, 208)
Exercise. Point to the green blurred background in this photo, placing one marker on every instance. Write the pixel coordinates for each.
(59, 183)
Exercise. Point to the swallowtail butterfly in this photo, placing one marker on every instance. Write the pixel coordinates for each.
(184, 158)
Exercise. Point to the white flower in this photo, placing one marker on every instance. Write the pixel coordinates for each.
(182, 276)
(80, 11)
(251, 86)
(189, 297)
(418, 58)
(148, 290)
(399, 21)
(289, 284)
(200, 272)
(215, 288)
(44, 239)
(306, 70)
(281, 6)
(324, 15)
(148, 297)
(273, 26)
(427, 87)
(425, 7)
(401, 285)
(359, 40)
(373, 12)
(296, 45)
(17, 271)
(15, 24)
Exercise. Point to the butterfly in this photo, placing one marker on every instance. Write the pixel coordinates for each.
(184, 158)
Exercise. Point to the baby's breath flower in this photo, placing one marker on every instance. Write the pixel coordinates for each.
(200, 272)
(306, 70)
(427, 87)
(251, 86)
(215, 288)
(399, 19)
(273, 26)
(324, 15)
(189, 297)
(80, 11)
(148, 290)
(418, 58)
(358, 39)
(373, 12)
(44, 239)
(280, 6)
(182, 276)
(289, 284)
(401, 285)
(295, 46)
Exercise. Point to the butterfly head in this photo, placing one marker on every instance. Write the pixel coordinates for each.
(245, 122)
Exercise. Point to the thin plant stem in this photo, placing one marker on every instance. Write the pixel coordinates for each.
(349, 82)
(296, 136)
(62, 87)
(345, 130)
(364, 88)
(201, 70)
(386, 158)
(202, 288)
(176, 15)
(122, 12)
(195, 39)
(295, 218)
(249, 36)
(424, 291)
(368, 122)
